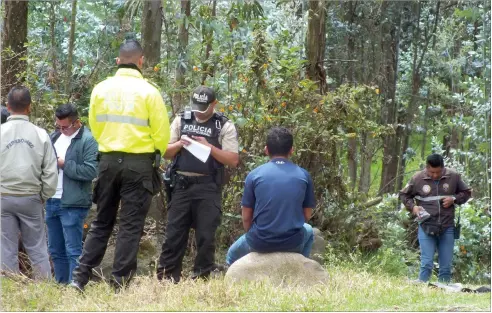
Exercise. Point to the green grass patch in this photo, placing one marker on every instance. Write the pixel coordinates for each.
(348, 290)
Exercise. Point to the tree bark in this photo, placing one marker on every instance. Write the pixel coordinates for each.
(151, 32)
(390, 40)
(207, 70)
(70, 49)
(13, 38)
(182, 45)
(315, 43)
(352, 142)
(424, 135)
(53, 73)
(366, 153)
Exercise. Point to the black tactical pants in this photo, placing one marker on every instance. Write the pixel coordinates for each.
(197, 206)
(126, 177)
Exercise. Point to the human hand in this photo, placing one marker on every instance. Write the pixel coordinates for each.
(61, 162)
(184, 142)
(416, 209)
(201, 140)
(447, 202)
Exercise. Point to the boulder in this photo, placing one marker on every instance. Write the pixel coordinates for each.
(280, 268)
(318, 250)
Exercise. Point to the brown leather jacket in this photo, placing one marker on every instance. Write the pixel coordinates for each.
(423, 191)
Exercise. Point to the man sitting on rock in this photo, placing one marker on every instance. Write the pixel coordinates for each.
(277, 202)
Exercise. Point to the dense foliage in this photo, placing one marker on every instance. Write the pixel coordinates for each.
(254, 53)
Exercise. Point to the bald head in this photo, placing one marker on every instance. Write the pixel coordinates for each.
(131, 52)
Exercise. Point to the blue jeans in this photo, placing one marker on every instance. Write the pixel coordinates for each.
(65, 229)
(240, 248)
(444, 243)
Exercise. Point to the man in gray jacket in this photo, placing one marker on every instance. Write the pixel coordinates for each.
(29, 175)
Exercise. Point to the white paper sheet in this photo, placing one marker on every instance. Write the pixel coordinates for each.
(200, 151)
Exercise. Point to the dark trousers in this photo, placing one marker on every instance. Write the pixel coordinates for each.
(198, 206)
(125, 177)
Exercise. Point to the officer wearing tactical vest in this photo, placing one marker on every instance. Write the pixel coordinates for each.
(129, 121)
(196, 196)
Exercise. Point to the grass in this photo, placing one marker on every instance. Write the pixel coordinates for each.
(347, 290)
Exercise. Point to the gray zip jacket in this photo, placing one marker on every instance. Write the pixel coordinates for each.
(28, 162)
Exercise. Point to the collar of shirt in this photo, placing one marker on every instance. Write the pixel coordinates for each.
(276, 159)
(130, 72)
(444, 175)
(72, 135)
(18, 117)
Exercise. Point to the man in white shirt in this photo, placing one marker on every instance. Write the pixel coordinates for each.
(66, 211)
(28, 177)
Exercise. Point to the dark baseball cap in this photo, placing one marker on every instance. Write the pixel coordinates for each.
(201, 98)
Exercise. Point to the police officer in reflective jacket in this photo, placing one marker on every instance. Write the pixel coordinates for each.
(129, 121)
(196, 196)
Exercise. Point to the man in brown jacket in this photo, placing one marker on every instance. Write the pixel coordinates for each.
(436, 190)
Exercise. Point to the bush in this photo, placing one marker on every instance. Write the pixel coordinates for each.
(472, 251)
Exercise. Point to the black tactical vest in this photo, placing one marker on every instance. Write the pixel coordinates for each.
(187, 162)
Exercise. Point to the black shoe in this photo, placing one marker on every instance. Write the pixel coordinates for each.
(77, 286)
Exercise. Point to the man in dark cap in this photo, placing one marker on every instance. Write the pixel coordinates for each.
(196, 196)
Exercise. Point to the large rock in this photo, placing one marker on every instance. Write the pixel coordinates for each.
(281, 268)
(318, 250)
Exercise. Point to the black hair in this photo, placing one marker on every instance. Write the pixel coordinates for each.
(279, 141)
(130, 49)
(5, 114)
(67, 110)
(19, 98)
(435, 160)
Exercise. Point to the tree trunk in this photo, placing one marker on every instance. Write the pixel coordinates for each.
(13, 38)
(53, 73)
(352, 142)
(390, 41)
(182, 45)
(70, 49)
(315, 43)
(416, 82)
(366, 153)
(151, 32)
(424, 135)
(207, 69)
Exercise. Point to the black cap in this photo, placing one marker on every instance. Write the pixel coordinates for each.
(5, 114)
(201, 98)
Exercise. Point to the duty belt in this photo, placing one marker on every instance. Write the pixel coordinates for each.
(197, 179)
(116, 155)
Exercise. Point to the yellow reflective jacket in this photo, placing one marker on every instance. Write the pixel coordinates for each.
(127, 114)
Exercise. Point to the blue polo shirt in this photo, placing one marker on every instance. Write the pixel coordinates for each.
(278, 192)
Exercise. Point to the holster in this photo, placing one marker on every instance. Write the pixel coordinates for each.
(169, 178)
(219, 176)
(156, 174)
(457, 230)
